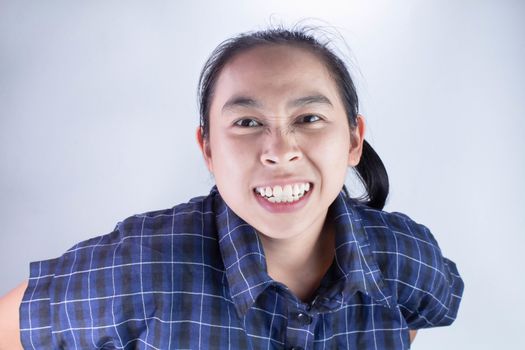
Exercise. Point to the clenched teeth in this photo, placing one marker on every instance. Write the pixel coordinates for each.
(284, 194)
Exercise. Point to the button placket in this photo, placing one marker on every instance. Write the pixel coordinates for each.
(303, 318)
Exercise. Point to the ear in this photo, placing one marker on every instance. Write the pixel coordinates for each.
(357, 136)
(204, 145)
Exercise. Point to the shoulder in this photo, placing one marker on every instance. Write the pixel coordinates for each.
(147, 235)
(394, 236)
(426, 285)
(182, 217)
(153, 238)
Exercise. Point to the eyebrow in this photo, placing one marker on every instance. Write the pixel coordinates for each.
(241, 101)
(312, 99)
(244, 101)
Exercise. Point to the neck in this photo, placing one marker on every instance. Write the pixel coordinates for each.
(300, 262)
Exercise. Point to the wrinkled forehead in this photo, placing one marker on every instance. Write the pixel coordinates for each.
(274, 71)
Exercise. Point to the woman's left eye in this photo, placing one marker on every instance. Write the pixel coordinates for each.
(310, 118)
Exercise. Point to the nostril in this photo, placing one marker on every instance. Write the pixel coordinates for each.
(274, 158)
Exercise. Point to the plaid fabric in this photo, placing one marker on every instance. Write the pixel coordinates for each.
(194, 277)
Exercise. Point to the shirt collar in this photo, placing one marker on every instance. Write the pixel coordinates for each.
(242, 255)
(354, 267)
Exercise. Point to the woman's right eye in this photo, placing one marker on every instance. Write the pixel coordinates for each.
(247, 123)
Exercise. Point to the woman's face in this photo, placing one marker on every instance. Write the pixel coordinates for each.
(279, 144)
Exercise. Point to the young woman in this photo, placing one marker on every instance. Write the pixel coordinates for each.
(277, 256)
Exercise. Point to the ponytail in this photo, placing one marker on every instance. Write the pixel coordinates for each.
(374, 177)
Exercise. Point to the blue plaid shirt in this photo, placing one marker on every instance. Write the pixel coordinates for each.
(194, 277)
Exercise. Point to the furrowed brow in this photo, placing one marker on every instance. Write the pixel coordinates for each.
(248, 102)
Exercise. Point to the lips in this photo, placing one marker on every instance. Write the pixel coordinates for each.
(288, 193)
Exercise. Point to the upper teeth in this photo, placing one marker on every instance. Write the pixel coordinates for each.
(287, 193)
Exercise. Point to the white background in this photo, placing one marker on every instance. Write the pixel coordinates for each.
(98, 113)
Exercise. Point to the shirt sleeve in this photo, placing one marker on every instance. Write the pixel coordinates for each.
(437, 306)
(35, 312)
(61, 293)
(427, 285)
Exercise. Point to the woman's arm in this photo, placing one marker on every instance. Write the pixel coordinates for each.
(9, 318)
(412, 335)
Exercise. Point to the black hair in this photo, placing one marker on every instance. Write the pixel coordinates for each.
(370, 169)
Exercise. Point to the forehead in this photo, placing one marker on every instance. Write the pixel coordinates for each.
(275, 70)
(268, 57)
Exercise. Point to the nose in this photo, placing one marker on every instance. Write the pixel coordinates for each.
(280, 148)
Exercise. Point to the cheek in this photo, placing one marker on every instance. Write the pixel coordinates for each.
(232, 154)
(328, 149)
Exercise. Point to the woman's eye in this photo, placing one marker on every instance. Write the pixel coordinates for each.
(247, 123)
(310, 118)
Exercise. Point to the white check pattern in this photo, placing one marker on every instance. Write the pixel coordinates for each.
(194, 277)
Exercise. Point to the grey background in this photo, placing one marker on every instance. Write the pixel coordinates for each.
(98, 114)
